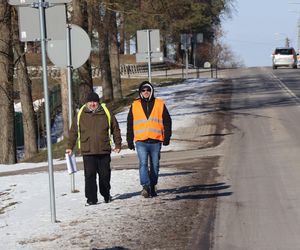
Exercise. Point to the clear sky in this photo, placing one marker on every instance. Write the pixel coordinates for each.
(258, 26)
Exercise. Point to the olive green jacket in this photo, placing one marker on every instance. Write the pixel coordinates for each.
(94, 135)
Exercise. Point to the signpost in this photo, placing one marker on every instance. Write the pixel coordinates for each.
(186, 41)
(41, 5)
(148, 43)
(30, 31)
(197, 38)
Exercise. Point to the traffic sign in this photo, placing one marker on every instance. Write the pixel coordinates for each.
(142, 41)
(207, 65)
(185, 40)
(199, 37)
(80, 48)
(155, 57)
(29, 23)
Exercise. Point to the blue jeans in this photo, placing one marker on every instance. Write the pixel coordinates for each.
(148, 151)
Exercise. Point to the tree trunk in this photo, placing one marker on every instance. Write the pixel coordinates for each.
(24, 84)
(127, 42)
(65, 101)
(164, 46)
(102, 28)
(80, 17)
(7, 136)
(122, 33)
(114, 57)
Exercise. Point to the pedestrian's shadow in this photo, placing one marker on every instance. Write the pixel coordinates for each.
(176, 173)
(130, 195)
(203, 191)
(197, 192)
(110, 248)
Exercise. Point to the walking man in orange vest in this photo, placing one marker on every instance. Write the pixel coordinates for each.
(148, 125)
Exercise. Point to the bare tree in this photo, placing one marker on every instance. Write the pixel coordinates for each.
(7, 137)
(114, 56)
(81, 18)
(64, 101)
(101, 18)
(24, 84)
(221, 54)
(122, 32)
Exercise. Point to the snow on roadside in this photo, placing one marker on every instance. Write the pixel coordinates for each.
(26, 220)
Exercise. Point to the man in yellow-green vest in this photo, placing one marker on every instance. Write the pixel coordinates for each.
(92, 128)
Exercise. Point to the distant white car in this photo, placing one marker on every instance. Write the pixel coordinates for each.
(284, 57)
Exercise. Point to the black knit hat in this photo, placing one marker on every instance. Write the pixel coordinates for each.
(92, 97)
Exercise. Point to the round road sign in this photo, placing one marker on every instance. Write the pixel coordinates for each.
(80, 48)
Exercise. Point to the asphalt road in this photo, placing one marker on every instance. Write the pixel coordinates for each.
(260, 160)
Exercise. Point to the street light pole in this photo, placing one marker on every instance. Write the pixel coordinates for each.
(298, 26)
(287, 42)
(298, 35)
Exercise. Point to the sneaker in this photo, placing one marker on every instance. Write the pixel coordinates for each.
(145, 192)
(153, 190)
(107, 199)
(90, 203)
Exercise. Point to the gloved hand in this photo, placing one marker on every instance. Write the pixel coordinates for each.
(131, 145)
(166, 142)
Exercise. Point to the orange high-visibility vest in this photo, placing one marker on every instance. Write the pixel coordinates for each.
(152, 127)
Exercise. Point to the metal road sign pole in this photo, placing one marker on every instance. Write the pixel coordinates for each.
(194, 51)
(149, 55)
(69, 76)
(42, 5)
(186, 63)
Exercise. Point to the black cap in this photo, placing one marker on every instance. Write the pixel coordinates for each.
(92, 97)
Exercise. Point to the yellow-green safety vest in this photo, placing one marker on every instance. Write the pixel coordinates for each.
(103, 105)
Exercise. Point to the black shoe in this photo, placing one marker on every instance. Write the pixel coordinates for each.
(153, 190)
(107, 199)
(90, 203)
(145, 192)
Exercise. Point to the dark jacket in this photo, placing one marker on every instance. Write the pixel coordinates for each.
(94, 132)
(147, 107)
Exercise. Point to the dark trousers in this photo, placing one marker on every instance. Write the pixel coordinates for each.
(93, 165)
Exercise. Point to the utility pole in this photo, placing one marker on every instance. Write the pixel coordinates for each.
(287, 42)
(298, 35)
(298, 26)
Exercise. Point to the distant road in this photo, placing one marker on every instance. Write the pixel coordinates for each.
(260, 160)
